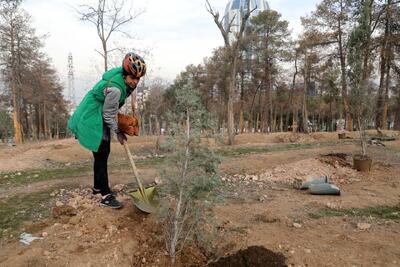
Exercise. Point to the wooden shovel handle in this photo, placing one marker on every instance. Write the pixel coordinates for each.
(135, 172)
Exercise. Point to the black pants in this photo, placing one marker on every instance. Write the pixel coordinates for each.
(100, 168)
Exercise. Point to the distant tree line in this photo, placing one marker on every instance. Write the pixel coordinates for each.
(345, 63)
(32, 106)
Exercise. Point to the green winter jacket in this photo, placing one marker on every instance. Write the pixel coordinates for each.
(87, 121)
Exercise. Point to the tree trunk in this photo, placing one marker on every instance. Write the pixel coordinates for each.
(38, 120)
(257, 123)
(105, 55)
(150, 126)
(158, 130)
(380, 101)
(47, 129)
(386, 99)
(231, 133)
(287, 117)
(231, 94)
(16, 116)
(388, 53)
(331, 118)
(342, 57)
(291, 102)
(241, 118)
(25, 121)
(31, 122)
(364, 86)
(57, 130)
(304, 112)
(142, 124)
(263, 112)
(15, 91)
(270, 106)
(241, 108)
(397, 112)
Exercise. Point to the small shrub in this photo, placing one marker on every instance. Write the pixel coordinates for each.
(190, 172)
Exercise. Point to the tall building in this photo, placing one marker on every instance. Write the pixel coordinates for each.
(233, 11)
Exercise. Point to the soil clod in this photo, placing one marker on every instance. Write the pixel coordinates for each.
(252, 256)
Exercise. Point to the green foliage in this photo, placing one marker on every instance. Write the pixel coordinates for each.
(268, 38)
(268, 24)
(202, 162)
(330, 80)
(358, 60)
(28, 177)
(6, 128)
(383, 212)
(16, 210)
(359, 41)
(190, 169)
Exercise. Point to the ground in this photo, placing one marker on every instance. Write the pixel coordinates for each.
(45, 191)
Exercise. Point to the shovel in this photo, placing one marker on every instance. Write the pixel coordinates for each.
(143, 198)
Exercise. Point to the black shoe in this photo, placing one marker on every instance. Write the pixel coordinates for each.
(97, 191)
(111, 201)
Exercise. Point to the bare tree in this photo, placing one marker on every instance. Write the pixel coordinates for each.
(232, 49)
(109, 16)
(12, 27)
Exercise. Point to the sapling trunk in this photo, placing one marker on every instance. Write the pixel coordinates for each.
(178, 213)
(362, 136)
(188, 171)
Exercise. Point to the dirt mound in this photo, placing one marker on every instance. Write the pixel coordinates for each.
(82, 233)
(311, 168)
(335, 159)
(252, 256)
(332, 166)
(293, 138)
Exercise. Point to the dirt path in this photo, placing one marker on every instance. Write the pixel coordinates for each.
(254, 163)
(116, 177)
(38, 155)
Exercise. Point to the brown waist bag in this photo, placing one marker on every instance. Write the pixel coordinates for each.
(128, 124)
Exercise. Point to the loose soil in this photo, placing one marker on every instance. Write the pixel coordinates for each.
(81, 232)
(261, 216)
(251, 256)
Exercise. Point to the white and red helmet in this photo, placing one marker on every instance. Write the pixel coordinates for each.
(134, 65)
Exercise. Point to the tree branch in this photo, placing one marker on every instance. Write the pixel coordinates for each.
(101, 54)
(218, 22)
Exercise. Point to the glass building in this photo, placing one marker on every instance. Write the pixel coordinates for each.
(233, 10)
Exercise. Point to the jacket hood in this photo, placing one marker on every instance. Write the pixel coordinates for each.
(114, 78)
(111, 73)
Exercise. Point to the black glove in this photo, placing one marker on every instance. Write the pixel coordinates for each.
(121, 137)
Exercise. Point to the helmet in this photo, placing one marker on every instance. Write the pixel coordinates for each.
(134, 64)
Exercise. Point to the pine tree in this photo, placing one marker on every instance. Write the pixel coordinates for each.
(190, 170)
(359, 63)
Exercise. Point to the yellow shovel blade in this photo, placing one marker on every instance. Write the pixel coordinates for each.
(147, 203)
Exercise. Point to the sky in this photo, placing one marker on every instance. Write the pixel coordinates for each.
(176, 32)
